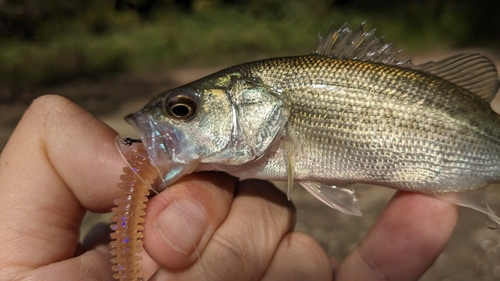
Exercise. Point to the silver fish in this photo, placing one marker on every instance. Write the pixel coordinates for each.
(350, 112)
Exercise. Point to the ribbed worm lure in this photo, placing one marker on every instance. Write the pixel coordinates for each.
(128, 220)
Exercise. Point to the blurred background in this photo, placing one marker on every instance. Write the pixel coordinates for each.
(112, 56)
(94, 51)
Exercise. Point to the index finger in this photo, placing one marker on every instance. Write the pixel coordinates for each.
(59, 162)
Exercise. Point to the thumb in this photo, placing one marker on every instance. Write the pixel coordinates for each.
(180, 220)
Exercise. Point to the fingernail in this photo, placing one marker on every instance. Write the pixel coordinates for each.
(182, 225)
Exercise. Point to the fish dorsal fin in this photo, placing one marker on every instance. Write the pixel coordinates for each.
(357, 45)
(473, 72)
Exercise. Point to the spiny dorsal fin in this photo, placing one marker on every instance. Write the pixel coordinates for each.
(473, 72)
(357, 45)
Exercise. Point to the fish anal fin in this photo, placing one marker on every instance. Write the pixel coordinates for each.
(476, 199)
(473, 72)
(339, 198)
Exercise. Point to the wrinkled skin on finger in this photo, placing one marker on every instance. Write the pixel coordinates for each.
(409, 235)
(256, 222)
(61, 161)
(404, 242)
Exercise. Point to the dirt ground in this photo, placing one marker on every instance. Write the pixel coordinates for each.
(473, 252)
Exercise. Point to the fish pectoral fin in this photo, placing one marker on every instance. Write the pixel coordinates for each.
(289, 149)
(336, 197)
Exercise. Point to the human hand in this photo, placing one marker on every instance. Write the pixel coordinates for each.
(61, 161)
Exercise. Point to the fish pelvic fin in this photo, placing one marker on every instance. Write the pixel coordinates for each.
(473, 72)
(344, 43)
(340, 198)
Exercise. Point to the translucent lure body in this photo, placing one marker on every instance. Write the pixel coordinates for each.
(129, 216)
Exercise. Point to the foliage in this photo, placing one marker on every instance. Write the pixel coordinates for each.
(53, 40)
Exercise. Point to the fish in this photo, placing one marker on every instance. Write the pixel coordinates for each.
(350, 112)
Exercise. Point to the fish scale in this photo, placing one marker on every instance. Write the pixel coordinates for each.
(348, 113)
(319, 117)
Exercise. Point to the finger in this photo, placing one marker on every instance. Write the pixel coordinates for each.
(93, 265)
(180, 220)
(407, 238)
(245, 243)
(299, 257)
(59, 161)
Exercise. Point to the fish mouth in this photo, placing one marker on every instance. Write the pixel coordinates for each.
(164, 146)
(159, 141)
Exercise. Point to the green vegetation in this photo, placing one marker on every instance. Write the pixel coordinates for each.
(91, 38)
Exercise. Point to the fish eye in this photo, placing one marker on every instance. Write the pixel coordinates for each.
(180, 106)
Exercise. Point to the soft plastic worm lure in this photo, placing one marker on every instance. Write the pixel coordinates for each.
(128, 221)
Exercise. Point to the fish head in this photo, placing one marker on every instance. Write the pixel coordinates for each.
(213, 124)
